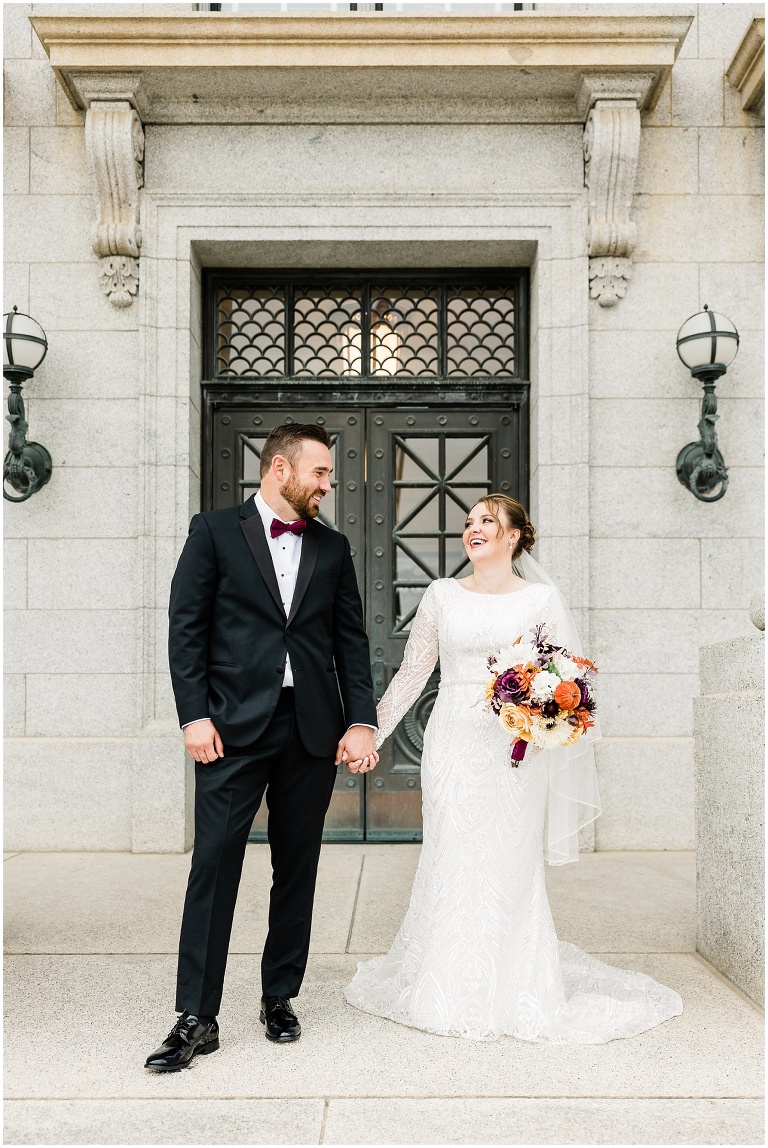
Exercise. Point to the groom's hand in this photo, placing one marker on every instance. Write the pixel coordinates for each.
(202, 742)
(358, 749)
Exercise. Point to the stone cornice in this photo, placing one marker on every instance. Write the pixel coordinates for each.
(746, 70)
(523, 58)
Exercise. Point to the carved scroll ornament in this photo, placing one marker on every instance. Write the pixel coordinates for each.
(115, 142)
(611, 145)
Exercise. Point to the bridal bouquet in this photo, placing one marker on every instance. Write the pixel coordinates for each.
(541, 693)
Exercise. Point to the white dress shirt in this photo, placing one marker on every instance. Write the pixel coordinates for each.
(285, 551)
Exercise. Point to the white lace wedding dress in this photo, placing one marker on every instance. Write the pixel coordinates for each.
(477, 954)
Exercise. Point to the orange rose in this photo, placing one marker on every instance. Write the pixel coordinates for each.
(567, 695)
(517, 720)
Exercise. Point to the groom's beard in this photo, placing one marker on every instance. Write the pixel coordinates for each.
(299, 496)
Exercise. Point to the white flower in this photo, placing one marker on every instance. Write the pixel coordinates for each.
(567, 669)
(517, 655)
(544, 685)
(546, 738)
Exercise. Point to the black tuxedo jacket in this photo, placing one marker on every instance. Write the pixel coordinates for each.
(228, 634)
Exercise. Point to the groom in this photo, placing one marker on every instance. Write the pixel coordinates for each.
(271, 673)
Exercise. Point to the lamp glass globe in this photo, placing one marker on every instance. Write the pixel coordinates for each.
(716, 340)
(23, 352)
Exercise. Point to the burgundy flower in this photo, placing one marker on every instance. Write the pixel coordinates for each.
(510, 689)
(550, 709)
(587, 701)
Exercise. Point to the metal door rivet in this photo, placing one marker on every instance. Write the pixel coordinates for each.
(505, 486)
(379, 552)
(379, 421)
(353, 552)
(379, 617)
(442, 420)
(257, 421)
(225, 454)
(379, 783)
(505, 453)
(225, 420)
(411, 421)
(351, 486)
(379, 485)
(288, 419)
(379, 519)
(505, 420)
(321, 420)
(410, 783)
(379, 585)
(352, 422)
(351, 454)
(379, 454)
(474, 421)
(225, 486)
(351, 518)
(351, 783)
(379, 651)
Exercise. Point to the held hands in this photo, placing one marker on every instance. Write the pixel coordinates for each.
(357, 749)
(202, 742)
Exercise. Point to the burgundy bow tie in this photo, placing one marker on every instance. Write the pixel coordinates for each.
(277, 528)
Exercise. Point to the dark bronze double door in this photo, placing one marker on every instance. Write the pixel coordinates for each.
(402, 484)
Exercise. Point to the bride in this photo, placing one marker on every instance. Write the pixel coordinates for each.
(477, 954)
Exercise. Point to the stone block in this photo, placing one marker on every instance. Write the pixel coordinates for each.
(562, 423)
(210, 1121)
(16, 162)
(29, 93)
(163, 773)
(740, 293)
(17, 31)
(563, 493)
(67, 296)
(721, 28)
(96, 433)
(660, 297)
(697, 93)
(16, 286)
(66, 507)
(709, 229)
(68, 794)
(90, 574)
(58, 163)
(621, 640)
(647, 704)
(730, 802)
(730, 572)
(92, 365)
(14, 704)
(661, 115)
(524, 1121)
(559, 368)
(15, 573)
(49, 228)
(661, 507)
(66, 115)
(733, 666)
(638, 432)
(668, 162)
(71, 641)
(732, 161)
(635, 573)
(646, 789)
(81, 705)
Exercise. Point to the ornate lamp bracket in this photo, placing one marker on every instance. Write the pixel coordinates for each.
(115, 143)
(611, 104)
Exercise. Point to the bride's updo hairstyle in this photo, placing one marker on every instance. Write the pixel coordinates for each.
(511, 515)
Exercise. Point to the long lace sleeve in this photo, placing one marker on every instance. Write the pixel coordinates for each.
(419, 658)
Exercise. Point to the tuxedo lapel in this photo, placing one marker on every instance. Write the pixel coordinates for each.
(310, 544)
(253, 529)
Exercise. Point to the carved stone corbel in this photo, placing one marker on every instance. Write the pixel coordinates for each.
(611, 146)
(115, 143)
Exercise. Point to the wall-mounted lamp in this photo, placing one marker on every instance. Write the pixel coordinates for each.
(27, 465)
(707, 343)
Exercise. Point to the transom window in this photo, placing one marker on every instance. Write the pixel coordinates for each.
(425, 325)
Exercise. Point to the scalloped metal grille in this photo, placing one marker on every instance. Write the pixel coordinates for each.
(365, 329)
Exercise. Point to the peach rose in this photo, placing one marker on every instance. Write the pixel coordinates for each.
(567, 695)
(517, 720)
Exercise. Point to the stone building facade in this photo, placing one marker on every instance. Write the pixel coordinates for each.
(148, 145)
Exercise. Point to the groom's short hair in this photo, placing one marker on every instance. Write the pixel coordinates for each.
(287, 440)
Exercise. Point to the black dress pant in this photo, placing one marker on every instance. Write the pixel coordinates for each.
(227, 797)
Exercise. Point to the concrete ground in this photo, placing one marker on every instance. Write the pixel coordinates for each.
(90, 969)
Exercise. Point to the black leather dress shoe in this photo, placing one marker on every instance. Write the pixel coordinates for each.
(188, 1037)
(279, 1019)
